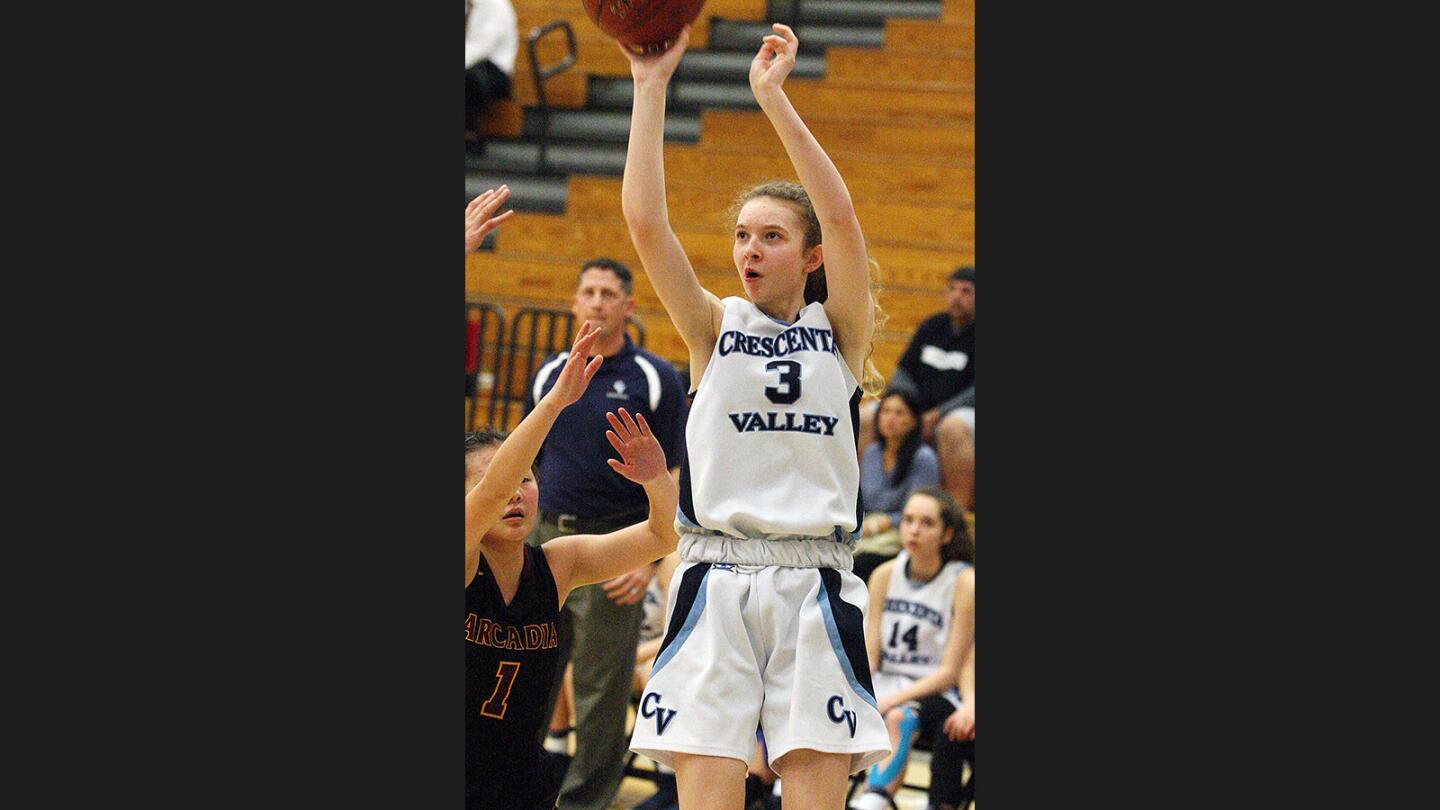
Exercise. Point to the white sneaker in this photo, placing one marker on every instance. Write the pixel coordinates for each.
(870, 800)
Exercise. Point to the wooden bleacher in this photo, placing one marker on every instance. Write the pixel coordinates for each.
(898, 122)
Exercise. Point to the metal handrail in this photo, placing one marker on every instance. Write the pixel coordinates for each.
(543, 165)
(558, 332)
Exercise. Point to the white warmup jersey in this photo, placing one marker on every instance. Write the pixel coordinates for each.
(916, 621)
(772, 430)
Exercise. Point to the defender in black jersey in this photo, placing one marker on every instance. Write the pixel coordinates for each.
(513, 592)
(510, 662)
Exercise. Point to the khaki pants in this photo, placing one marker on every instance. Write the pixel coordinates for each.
(600, 638)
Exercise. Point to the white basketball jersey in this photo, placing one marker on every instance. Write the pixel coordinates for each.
(771, 433)
(916, 622)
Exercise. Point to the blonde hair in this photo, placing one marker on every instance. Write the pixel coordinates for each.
(872, 383)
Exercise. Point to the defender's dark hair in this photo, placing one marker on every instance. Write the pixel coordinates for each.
(627, 280)
(910, 442)
(483, 438)
(962, 545)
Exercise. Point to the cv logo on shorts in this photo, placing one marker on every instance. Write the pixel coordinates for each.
(843, 715)
(662, 715)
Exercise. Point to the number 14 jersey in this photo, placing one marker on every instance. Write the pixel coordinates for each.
(772, 430)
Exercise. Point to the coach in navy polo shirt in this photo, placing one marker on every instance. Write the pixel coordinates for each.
(580, 494)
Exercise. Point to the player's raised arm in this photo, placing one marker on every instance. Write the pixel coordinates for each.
(582, 559)
(847, 273)
(485, 503)
(695, 311)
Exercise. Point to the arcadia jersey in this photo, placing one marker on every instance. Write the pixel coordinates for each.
(772, 431)
(510, 663)
(916, 620)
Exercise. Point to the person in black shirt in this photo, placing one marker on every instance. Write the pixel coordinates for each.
(513, 592)
(938, 367)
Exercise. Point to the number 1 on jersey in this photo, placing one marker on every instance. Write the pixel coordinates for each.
(505, 674)
(789, 377)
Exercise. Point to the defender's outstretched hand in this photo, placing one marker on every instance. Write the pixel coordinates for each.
(657, 67)
(576, 374)
(480, 216)
(775, 60)
(641, 458)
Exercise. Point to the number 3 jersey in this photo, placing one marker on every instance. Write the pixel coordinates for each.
(772, 430)
(915, 623)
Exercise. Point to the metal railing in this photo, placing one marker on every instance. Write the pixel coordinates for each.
(489, 315)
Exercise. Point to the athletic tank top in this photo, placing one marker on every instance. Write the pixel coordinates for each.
(771, 433)
(510, 661)
(916, 622)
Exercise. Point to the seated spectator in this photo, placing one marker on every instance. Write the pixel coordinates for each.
(938, 367)
(890, 469)
(491, 42)
(920, 625)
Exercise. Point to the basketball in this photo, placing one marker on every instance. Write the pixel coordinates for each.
(643, 26)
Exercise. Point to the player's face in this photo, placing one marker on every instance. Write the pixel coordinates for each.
(960, 296)
(601, 299)
(922, 529)
(769, 251)
(520, 512)
(895, 419)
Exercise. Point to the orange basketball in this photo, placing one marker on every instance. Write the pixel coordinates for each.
(643, 26)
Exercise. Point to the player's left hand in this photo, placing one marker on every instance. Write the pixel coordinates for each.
(480, 216)
(627, 589)
(885, 704)
(641, 458)
(775, 60)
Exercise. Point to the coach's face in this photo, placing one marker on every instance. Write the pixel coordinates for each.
(601, 299)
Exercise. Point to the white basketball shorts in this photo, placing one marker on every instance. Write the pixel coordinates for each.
(773, 647)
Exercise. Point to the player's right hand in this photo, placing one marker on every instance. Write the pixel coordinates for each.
(657, 67)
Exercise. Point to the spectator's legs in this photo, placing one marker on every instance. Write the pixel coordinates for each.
(947, 766)
(955, 443)
(606, 635)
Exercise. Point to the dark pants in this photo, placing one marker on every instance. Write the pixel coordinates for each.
(947, 768)
(483, 84)
(599, 637)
